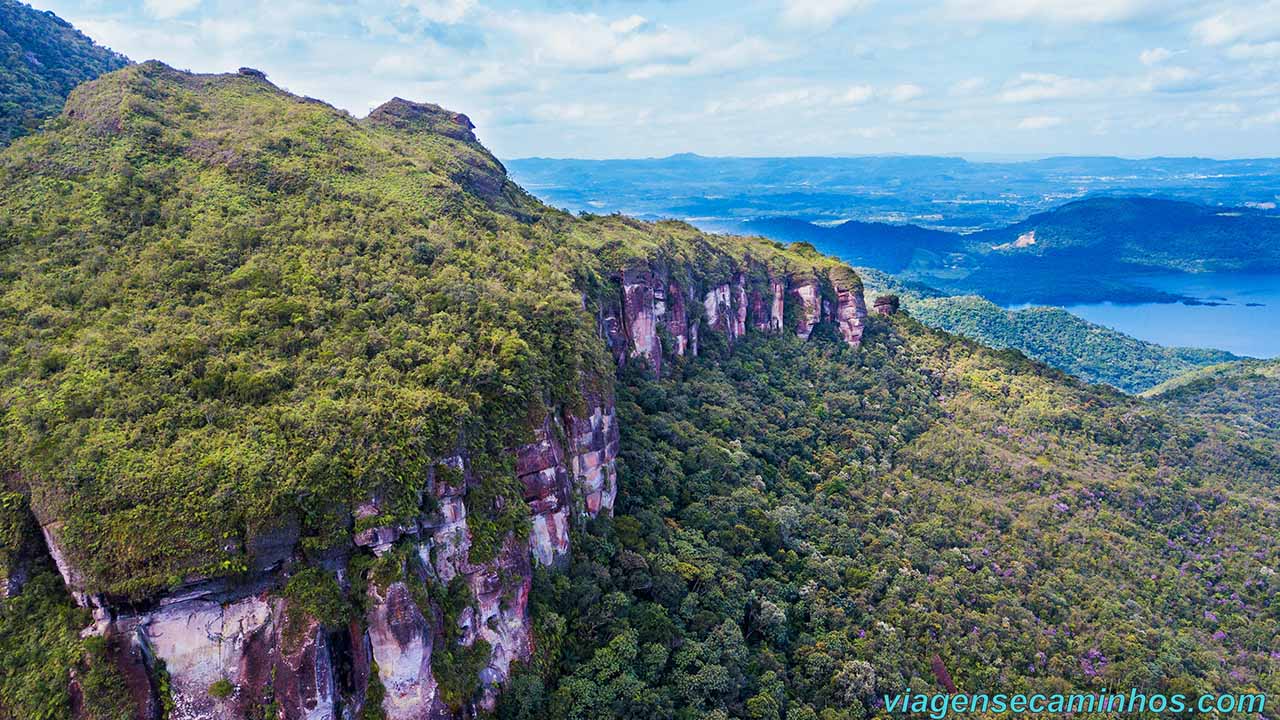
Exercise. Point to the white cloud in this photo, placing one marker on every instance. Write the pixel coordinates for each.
(1172, 78)
(1256, 22)
(577, 113)
(968, 86)
(1154, 56)
(628, 24)
(1055, 11)
(856, 95)
(906, 92)
(1036, 87)
(424, 61)
(169, 8)
(446, 12)
(819, 14)
(1039, 122)
(1255, 51)
(744, 53)
(225, 31)
(813, 97)
(590, 42)
(1271, 118)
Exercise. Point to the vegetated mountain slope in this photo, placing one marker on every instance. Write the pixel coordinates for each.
(303, 404)
(41, 58)
(252, 345)
(1053, 336)
(801, 528)
(1243, 395)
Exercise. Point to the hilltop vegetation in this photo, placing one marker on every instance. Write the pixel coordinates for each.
(41, 59)
(228, 310)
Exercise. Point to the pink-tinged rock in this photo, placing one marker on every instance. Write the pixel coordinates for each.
(677, 318)
(640, 314)
(717, 305)
(594, 461)
(851, 308)
(544, 478)
(304, 678)
(501, 616)
(738, 313)
(806, 289)
(778, 290)
(400, 639)
(450, 537)
(887, 305)
(202, 642)
(549, 535)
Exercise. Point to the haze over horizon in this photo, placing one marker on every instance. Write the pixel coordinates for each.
(603, 79)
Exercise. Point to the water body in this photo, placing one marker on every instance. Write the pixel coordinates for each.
(1243, 317)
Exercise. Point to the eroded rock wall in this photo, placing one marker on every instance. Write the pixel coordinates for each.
(231, 649)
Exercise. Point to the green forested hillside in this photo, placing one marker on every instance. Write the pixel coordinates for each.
(1053, 336)
(226, 310)
(41, 58)
(802, 527)
(1244, 395)
(1065, 341)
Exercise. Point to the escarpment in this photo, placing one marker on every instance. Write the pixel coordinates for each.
(361, 423)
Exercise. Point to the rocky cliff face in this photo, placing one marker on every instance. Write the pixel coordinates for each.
(224, 649)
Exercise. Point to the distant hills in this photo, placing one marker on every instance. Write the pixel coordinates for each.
(941, 193)
(1084, 251)
(42, 57)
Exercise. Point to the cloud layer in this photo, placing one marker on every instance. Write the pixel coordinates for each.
(598, 78)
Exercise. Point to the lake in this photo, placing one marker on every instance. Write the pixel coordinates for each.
(1247, 322)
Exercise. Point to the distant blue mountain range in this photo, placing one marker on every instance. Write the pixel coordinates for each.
(1058, 230)
(936, 192)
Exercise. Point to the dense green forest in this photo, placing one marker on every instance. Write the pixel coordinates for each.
(1244, 395)
(1051, 335)
(802, 527)
(41, 59)
(227, 312)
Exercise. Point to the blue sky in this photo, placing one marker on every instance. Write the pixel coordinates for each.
(756, 77)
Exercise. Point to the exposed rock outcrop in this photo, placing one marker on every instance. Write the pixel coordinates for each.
(850, 306)
(401, 640)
